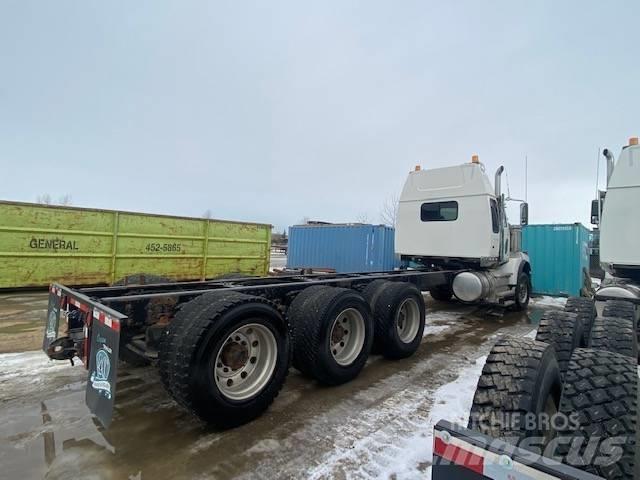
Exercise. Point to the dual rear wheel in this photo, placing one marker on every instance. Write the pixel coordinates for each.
(225, 355)
(334, 329)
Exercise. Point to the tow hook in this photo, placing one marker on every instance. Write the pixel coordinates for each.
(63, 348)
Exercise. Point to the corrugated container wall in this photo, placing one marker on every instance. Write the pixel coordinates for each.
(344, 248)
(559, 256)
(40, 244)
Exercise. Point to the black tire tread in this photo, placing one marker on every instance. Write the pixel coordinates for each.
(307, 346)
(384, 314)
(443, 293)
(562, 330)
(179, 335)
(601, 387)
(620, 309)
(506, 387)
(585, 308)
(614, 335)
(297, 310)
(308, 323)
(373, 290)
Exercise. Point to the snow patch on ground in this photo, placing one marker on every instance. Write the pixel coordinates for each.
(547, 301)
(27, 363)
(440, 321)
(434, 329)
(451, 402)
(403, 448)
(27, 370)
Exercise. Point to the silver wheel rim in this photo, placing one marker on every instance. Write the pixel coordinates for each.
(408, 320)
(347, 336)
(246, 361)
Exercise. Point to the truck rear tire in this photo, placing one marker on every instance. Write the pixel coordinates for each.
(562, 330)
(296, 311)
(601, 396)
(229, 357)
(520, 379)
(373, 290)
(442, 293)
(333, 335)
(399, 317)
(614, 335)
(585, 308)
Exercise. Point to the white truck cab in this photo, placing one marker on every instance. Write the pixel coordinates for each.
(453, 218)
(616, 212)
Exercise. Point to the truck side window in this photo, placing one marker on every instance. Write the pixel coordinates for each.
(439, 212)
(494, 216)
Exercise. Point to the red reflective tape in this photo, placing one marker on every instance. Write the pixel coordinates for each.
(106, 320)
(81, 306)
(458, 456)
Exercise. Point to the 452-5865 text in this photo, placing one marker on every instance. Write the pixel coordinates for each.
(163, 247)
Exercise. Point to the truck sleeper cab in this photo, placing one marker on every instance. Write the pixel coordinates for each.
(453, 218)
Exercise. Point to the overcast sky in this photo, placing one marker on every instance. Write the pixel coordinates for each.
(274, 111)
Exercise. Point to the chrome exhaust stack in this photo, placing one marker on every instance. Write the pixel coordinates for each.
(497, 182)
(610, 163)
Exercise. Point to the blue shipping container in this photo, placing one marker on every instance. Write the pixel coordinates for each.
(559, 256)
(345, 248)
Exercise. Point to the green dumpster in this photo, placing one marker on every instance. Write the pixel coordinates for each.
(40, 244)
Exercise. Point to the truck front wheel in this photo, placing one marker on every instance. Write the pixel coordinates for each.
(443, 293)
(522, 291)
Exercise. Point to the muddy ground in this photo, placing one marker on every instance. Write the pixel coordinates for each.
(377, 426)
(21, 319)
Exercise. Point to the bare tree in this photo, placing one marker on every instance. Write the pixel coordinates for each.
(362, 218)
(207, 214)
(65, 199)
(44, 199)
(389, 211)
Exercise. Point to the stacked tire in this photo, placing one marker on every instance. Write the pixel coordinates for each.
(596, 427)
(600, 394)
(564, 332)
(626, 310)
(585, 309)
(600, 401)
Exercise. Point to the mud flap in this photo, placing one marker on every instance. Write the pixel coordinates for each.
(53, 318)
(103, 366)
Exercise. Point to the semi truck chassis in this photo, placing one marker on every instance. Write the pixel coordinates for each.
(223, 347)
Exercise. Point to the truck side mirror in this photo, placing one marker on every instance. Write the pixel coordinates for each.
(524, 214)
(595, 212)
